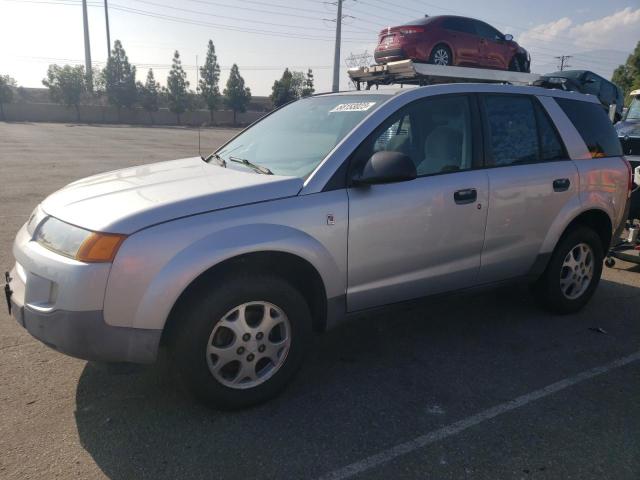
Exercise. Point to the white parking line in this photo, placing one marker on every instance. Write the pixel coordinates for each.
(423, 440)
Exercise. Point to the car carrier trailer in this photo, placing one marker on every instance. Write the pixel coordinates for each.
(413, 73)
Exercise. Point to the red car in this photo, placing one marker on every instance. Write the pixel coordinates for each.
(451, 40)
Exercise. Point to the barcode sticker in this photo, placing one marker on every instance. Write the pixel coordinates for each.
(353, 107)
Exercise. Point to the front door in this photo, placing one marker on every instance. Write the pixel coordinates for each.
(414, 238)
(493, 49)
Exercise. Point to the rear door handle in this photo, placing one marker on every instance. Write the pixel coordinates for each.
(561, 184)
(468, 195)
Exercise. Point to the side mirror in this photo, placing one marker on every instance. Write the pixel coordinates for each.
(386, 167)
(508, 37)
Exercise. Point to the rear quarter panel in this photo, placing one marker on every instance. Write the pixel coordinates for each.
(604, 185)
(603, 181)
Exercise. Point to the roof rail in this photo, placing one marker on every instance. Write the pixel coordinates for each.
(412, 73)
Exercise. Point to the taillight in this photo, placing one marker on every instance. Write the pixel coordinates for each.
(630, 183)
(411, 30)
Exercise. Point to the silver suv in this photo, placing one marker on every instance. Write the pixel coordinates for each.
(332, 205)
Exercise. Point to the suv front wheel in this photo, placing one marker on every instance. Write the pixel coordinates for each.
(241, 341)
(573, 272)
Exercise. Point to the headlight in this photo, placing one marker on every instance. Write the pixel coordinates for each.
(32, 223)
(78, 243)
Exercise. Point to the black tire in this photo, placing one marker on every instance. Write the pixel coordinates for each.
(440, 51)
(516, 64)
(548, 290)
(207, 306)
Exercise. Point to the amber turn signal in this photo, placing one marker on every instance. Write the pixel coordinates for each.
(99, 247)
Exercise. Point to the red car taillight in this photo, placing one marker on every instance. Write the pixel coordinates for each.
(411, 30)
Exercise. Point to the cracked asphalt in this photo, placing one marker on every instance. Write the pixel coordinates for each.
(374, 383)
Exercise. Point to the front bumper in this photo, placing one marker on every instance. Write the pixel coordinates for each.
(60, 302)
(83, 334)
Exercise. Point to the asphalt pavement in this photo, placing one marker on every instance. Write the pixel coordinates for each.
(482, 385)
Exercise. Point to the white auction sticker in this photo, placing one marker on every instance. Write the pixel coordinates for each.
(353, 107)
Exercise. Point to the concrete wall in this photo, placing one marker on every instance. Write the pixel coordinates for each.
(50, 112)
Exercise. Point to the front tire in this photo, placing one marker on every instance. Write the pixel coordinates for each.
(241, 341)
(441, 55)
(573, 272)
(516, 65)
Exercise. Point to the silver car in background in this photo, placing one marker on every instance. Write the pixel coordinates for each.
(329, 206)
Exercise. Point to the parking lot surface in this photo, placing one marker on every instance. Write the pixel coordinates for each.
(481, 385)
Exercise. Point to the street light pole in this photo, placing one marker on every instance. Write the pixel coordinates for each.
(106, 17)
(336, 56)
(87, 47)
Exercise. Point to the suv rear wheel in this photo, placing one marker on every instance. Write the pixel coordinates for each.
(240, 342)
(573, 272)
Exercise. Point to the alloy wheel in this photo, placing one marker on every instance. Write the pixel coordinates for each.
(441, 57)
(577, 270)
(248, 345)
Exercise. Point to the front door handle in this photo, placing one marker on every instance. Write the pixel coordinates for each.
(561, 184)
(468, 195)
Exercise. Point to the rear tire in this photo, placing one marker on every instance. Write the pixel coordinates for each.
(220, 337)
(573, 272)
(441, 55)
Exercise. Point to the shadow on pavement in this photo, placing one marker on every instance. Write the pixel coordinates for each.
(369, 384)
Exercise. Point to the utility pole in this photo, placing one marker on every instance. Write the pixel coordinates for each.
(87, 48)
(563, 62)
(106, 17)
(336, 56)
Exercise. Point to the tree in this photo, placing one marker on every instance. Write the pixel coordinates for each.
(307, 86)
(282, 91)
(236, 95)
(7, 84)
(66, 85)
(177, 87)
(627, 76)
(148, 94)
(119, 79)
(209, 78)
(290, 87)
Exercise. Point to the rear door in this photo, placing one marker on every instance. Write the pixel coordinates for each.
(414, 238)
(531, 181)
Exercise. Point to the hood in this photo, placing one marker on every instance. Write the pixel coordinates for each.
(124, 201)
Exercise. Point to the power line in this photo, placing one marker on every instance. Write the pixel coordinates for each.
(189, 21)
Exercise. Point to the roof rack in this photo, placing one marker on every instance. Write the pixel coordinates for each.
(412, 73)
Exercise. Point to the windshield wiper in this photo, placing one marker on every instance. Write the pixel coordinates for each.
(220, 160)
(255, 167)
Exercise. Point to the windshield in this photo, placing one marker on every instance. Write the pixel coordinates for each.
(634, 110)
(295, 139)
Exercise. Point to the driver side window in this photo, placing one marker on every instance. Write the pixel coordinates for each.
(435, 133)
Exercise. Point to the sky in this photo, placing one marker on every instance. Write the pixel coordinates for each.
(265, 36)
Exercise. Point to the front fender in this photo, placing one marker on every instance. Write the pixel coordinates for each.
(190, 263)
(154, 266)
